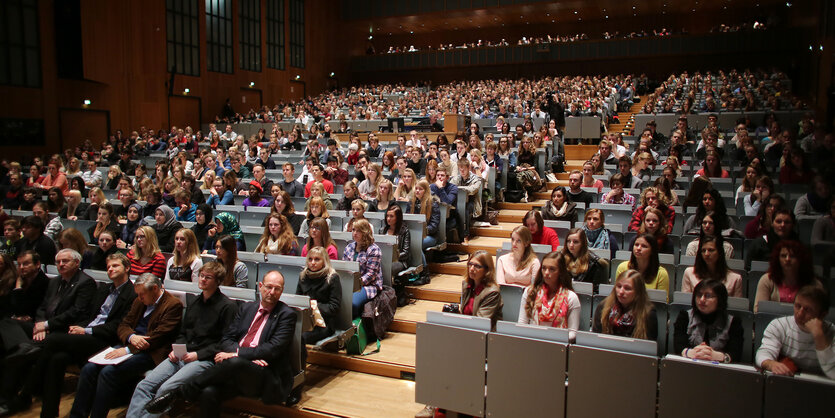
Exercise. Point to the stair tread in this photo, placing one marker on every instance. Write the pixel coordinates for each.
(416, 312)
(443, 282)
(334, 391)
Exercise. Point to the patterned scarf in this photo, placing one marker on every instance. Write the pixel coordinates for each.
(230, 225)
(598, 238)
(621, 323)
(555, 310)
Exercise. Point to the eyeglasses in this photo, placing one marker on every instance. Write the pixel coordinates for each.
(475, 265)
(706, 296)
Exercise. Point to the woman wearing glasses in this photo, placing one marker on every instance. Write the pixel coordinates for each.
(480, 294)
(707, 331)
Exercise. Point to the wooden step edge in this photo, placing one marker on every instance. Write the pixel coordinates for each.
(367, 365)
(510, 218)
(435, 295)
(446, 268)
(471, 248)
(256, 407)
(400, 325)
(493, 232)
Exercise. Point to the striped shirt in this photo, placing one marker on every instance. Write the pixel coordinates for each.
(783, 338)
(156, 266)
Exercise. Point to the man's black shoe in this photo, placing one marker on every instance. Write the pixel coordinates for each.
(161, 403)
(294, 397)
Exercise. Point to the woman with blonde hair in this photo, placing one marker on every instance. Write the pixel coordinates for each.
(145, 256)
(278, 237)
(208, 180)
(550, 300)
(96, 197)
(114, 174)
(373, 177)
(317, 189)
(405, 188)
(317, 209)
(321, 283)
(186, 262)
(627, 311)
(358, 208)
(364, 251)
(385, 197)
(520, 266)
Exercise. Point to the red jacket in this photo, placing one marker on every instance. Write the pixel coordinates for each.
(547, 236)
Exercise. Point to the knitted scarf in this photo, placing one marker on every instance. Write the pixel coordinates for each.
(716, 330)
(598, 238)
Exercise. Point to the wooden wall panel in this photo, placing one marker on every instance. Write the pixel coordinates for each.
(78, 125)
(185, 110)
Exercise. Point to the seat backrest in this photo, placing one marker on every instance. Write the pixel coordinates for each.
(512, 300)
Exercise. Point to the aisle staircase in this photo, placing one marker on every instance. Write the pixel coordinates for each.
(381, 384)
(626, 123)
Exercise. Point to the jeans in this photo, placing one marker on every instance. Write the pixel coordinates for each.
(359, 299)
(428, 242)
(166, 377)
(101, 387)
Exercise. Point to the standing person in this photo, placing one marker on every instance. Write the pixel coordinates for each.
(185, 264)
(253, 360)
(147, 332)
(207, 316)
(550, 300)
(520, 266)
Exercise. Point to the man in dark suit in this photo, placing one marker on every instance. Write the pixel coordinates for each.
(68, 298)
(206, 318)
(254, 361)
(30, 287)
(89, 336)
(147, 332)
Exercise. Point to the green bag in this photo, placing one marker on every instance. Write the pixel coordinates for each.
(357, 343)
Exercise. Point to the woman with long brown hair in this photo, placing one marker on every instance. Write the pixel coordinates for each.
(627, 311)
(550, 300)
(278, 237)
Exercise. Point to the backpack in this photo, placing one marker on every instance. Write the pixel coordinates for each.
(529, 180)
